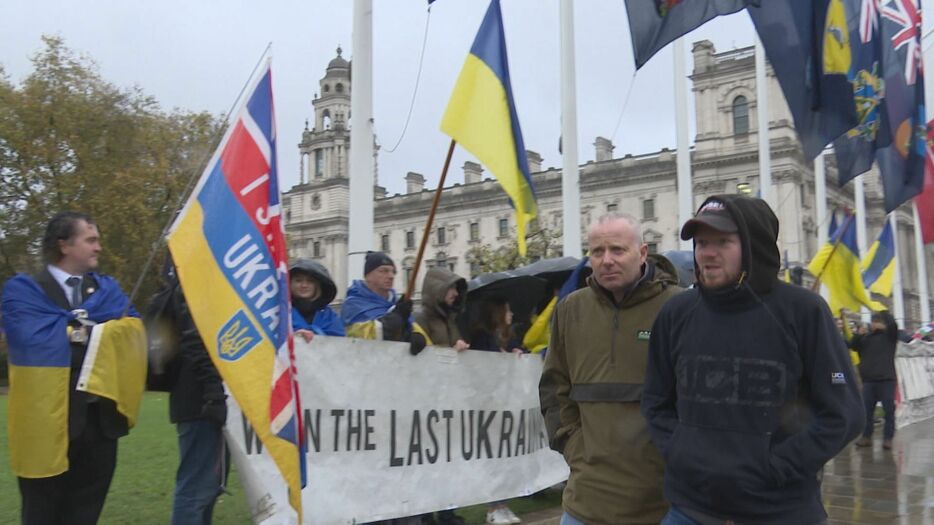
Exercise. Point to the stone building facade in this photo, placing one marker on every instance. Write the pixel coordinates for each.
(724, 159)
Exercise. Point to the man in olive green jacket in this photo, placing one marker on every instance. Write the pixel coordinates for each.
(591, 385)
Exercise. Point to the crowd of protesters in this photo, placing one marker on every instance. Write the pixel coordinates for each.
(714, 404)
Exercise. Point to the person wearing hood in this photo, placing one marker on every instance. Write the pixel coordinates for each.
(592, 379)
(749, 389)
(876, 351)
(443, 294)
(372, 309)
(312, 291)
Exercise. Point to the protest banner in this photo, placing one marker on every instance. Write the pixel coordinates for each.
(391, 435)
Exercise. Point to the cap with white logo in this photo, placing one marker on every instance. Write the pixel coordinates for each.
(714, 214)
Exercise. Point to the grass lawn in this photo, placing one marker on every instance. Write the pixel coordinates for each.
(141, 493)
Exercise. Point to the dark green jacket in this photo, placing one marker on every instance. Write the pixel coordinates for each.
(590, 391)
(437, 319)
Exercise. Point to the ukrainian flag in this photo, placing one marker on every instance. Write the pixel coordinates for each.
(837, 265)
(879, 264)
(481, 116)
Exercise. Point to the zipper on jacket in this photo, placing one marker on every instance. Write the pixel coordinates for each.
(613, 339)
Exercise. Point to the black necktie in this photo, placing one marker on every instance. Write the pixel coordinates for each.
(75, 283)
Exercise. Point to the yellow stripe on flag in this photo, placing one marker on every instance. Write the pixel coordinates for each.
(38, 420)
(115, 365)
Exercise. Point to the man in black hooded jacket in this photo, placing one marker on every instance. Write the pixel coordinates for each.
(749, 389)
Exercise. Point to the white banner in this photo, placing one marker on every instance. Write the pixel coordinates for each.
(392, 435)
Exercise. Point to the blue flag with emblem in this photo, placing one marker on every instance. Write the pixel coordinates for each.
(818, 93)
(653, 24)
(887, 77)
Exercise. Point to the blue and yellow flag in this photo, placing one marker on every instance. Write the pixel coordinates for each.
(481, 116)
(40, 370)
(229, 248)
(837, 265)
(879, 264)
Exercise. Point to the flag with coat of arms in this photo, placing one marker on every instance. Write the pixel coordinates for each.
(229, 248)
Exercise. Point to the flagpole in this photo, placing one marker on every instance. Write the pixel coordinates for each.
(685, 186)
(820, 195)
(859, 195)
(762, 112)
(410, 286)
(898, 299)
(923, 295)
(360, 234)
(570, 176)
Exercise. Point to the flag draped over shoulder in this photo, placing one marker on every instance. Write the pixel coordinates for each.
(653, 24)
(40, 366)
(229, 249)
(481, 116)
(879, 264)
(115, 365)
(837, 265)
(812, 77)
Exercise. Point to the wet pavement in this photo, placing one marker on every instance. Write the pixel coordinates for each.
(872, 485)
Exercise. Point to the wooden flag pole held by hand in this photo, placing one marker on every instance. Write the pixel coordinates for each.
(410, 287)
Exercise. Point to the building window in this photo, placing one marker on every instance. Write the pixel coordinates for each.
(319, 164)
(653, 247)
(315, 201)
(384, 241)
(409, 240)
(339, 88)
(648, 209)
(611, 208)
(740, 115)
(408, 275)
(316, 249)
(475, 231)
(504, 227)
(441, 236)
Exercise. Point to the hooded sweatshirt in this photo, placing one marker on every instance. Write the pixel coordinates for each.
(590, 390)
(315, 314)
(438, 319)
(749, 389)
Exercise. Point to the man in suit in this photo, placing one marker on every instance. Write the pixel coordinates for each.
(70, 247)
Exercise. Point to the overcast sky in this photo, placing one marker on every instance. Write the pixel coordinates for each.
(197, 55)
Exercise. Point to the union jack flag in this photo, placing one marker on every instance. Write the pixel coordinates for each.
(907, 15)
(868, 19)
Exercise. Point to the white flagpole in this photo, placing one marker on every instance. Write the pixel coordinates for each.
(898, 299)
(762, 111)
(685, 186)
(923, 295)
(820, 195)
(570, 177)
(362, 179)
(860, 197)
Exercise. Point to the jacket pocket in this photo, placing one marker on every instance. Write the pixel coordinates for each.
(722, 467)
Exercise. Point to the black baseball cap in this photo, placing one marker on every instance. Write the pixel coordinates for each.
(714, 214)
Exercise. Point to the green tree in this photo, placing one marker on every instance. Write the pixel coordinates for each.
(70, 140)
(541, 243)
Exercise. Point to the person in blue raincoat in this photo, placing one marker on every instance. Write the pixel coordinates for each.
(312, 291)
